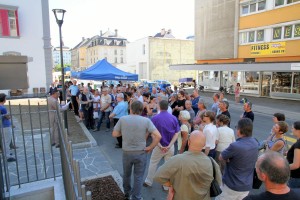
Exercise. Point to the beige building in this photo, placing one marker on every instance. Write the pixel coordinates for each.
(78, 55)
(152, 56)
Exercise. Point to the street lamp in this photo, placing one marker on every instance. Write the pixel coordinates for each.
(59, 16)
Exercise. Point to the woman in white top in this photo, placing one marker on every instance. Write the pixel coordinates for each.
(96, 106)
(185, 130)
(210, 131)
(225, 137)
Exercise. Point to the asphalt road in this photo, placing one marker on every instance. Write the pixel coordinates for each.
(262, 127)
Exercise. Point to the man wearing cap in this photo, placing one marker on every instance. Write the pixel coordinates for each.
(53, 108)
(6, 128)
(119, 111)
(223, 106)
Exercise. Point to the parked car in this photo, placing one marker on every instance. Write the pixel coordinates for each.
(163, 83)
(186, 82)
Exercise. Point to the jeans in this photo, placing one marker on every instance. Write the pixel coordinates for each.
(137, 160)
(294, 183)
(106, 116)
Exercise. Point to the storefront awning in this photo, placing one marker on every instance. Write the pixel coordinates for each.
(270, 67)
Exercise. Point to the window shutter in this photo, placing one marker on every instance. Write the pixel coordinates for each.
(17, 22)
(5, 24)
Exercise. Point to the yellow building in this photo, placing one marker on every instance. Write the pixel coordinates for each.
(253, 42)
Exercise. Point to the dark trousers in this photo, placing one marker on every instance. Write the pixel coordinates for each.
(120, 137)
(88, 118)
(75, 105)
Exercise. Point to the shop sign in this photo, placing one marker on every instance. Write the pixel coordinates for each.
(272, 48)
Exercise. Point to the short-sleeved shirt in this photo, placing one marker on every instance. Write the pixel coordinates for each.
(105, 100)
(73, 90)
(225, 136)
(5, 122)
(249, 115)
(293, 194)
(290, 157)
(210, 132)
(215, 107)
(183, 128)
(167, 125)
(242, 156)
(121, 109)
(134, 129)
(95, 100)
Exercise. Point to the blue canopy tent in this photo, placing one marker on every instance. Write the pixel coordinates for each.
(75, 74)
(103, 70)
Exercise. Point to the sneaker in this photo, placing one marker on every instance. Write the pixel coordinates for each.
(146, 184)
(96, 129)
(165, 188)
(11, 159)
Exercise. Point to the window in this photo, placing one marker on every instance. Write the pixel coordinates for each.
(116, 52)
(253, 6)
(284, 2)
(116, 60)
(296, 83)
(121, 52)
(122, 61)
(243, 38)
(144, 49)
(277, 33)
(282, 82)
(260, 35)
(9, 25)
(288, 31)
(251, 36)
(297, 30)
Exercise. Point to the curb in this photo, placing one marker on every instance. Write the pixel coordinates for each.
(92, 142)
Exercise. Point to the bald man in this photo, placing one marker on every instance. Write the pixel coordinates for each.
(189, 174)
(273, 169)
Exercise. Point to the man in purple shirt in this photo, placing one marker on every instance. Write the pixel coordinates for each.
(168, 126)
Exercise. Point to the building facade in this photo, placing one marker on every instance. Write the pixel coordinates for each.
(151, 56)
(78, 55)
(66, 56)
(253, 42)
(17, 20)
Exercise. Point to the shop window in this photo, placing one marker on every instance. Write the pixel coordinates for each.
(9, 24)
(282, 82)
(296, 83)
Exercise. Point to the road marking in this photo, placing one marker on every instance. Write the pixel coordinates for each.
(290, 139)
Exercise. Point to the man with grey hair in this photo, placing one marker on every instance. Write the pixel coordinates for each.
(273, 169)
(248, 111)
(105, 108)
(134, 130)
(188, 107)
(154, 92)
(223, 106)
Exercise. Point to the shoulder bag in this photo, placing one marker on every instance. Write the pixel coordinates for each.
(215, 189)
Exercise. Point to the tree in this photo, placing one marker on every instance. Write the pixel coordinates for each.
(57, 68)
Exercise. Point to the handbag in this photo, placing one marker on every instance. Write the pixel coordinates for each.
(95, 115)
(215, 189)
(256, 182)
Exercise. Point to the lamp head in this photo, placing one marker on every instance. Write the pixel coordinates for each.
(59, 15)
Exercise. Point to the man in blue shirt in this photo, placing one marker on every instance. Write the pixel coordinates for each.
(119, 111)
(240, 158)
(73, 90)
(195, 101)
(6, 128)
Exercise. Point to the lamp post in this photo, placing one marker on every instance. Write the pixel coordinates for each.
(59, 16)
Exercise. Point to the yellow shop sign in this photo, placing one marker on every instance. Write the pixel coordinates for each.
(272, 48)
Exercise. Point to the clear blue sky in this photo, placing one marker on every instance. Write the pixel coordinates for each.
(134, 19)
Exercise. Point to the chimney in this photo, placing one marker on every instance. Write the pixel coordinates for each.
(116, 32)
(83, 38)
(169, 31)
(100, 32)
(162, 32)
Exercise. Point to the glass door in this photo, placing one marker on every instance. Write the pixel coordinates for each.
(266, 84)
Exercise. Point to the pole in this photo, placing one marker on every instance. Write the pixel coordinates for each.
(63, 76)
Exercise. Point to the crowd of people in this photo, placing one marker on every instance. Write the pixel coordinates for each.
(185, 132)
